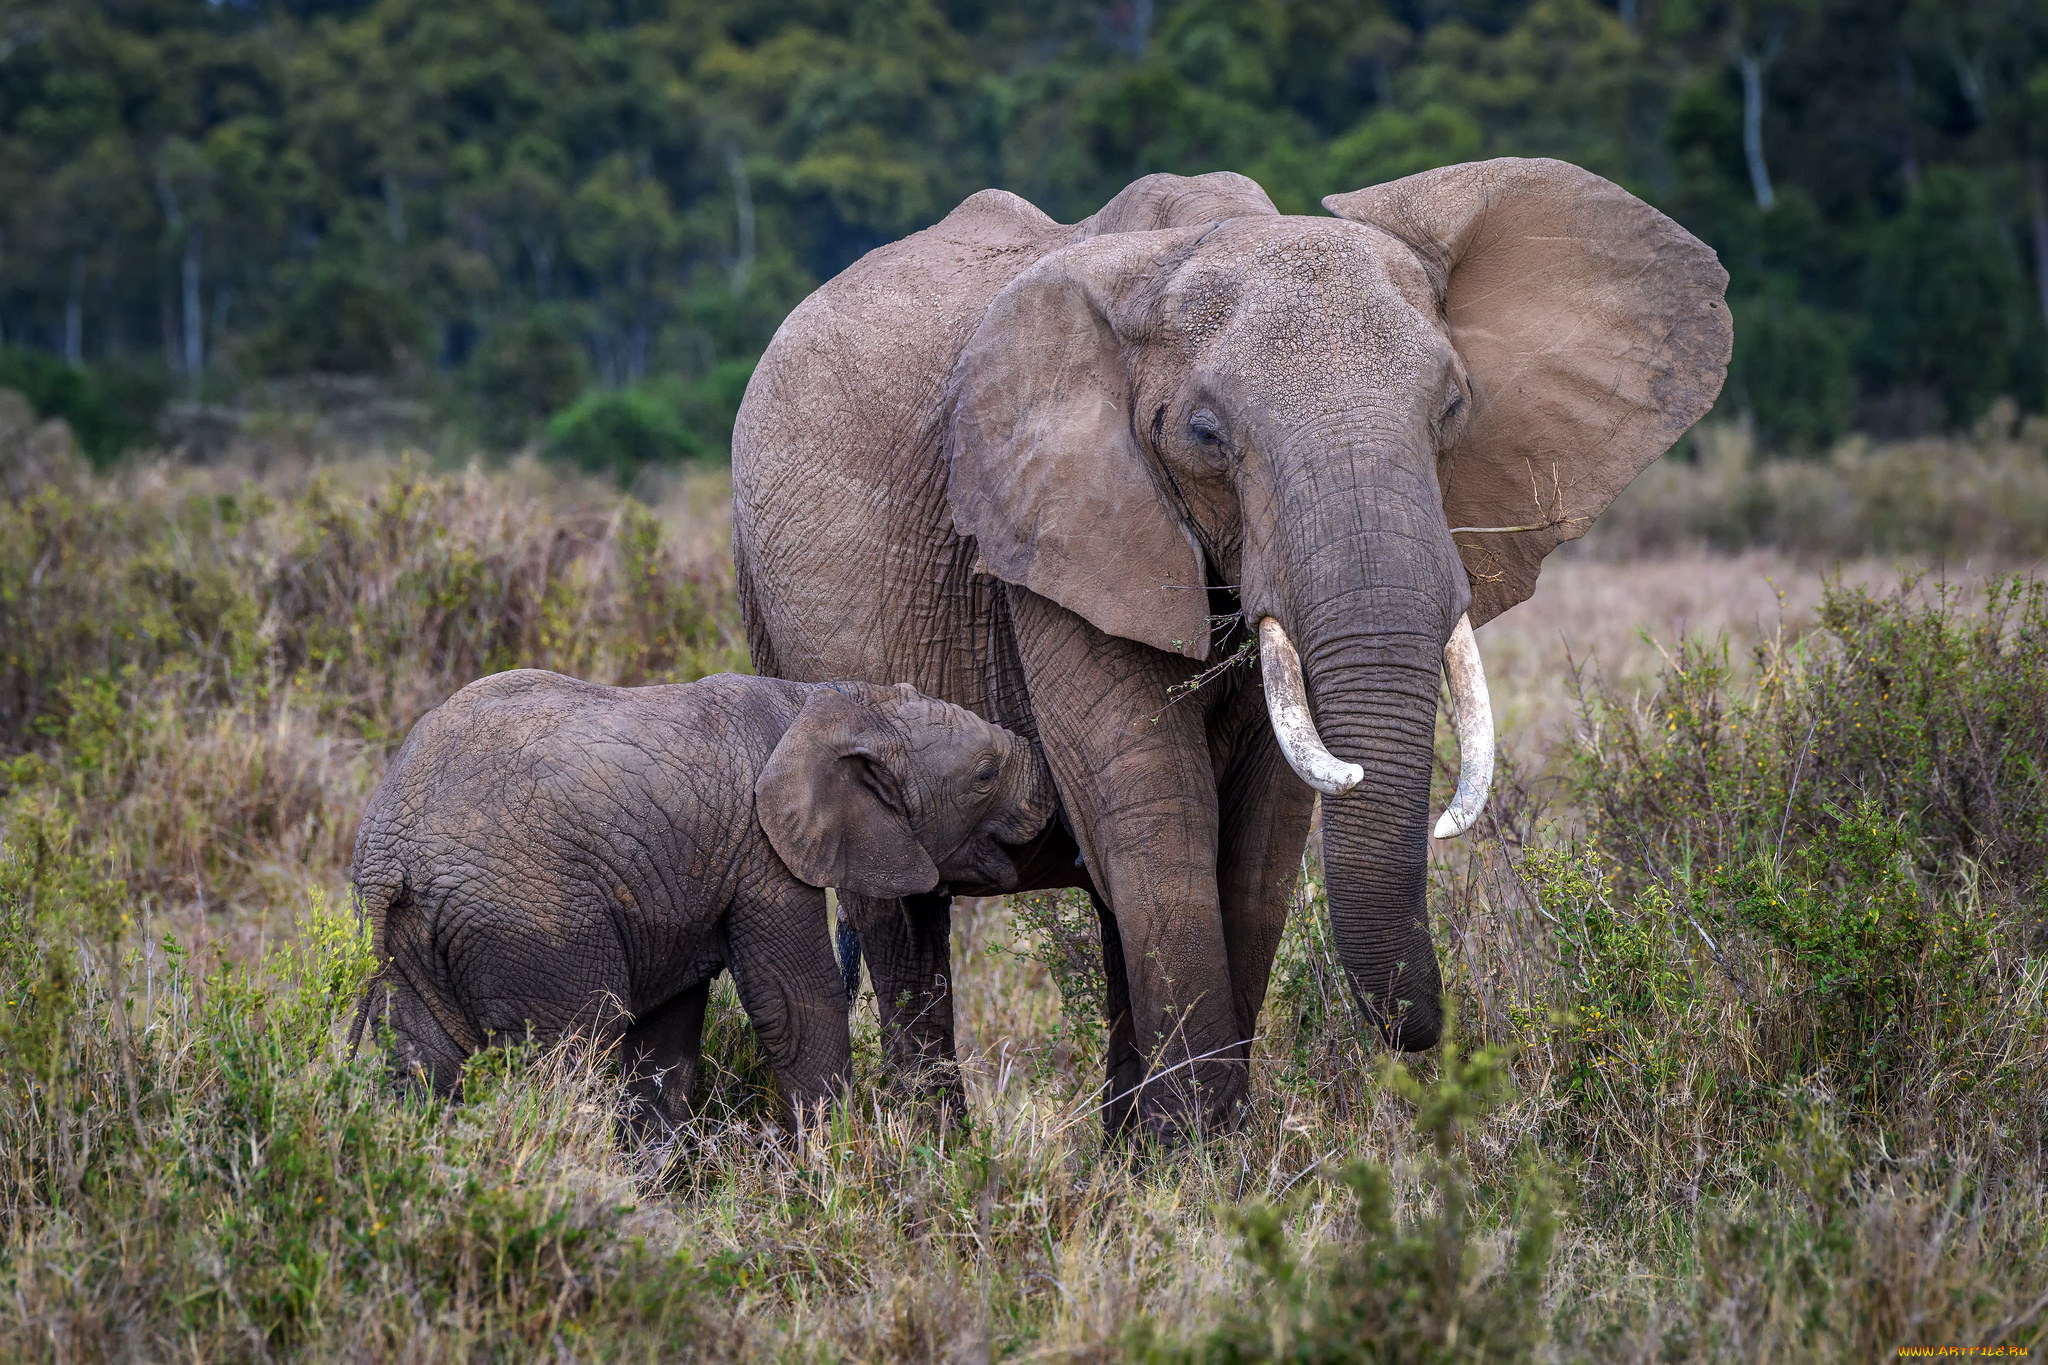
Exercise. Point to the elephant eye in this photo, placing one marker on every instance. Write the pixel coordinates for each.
(1452, 408)
(1205, 426)
(986, 773)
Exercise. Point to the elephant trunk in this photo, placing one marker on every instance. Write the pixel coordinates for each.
(1313, 763)
(1381, 713)
(1357, 587)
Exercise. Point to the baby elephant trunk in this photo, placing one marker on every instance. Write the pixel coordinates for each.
(426, 1053)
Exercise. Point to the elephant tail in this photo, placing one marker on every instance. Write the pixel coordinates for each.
(374, 899)
(760, 649)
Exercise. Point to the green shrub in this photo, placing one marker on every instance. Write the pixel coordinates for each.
(1836, 858)
(1393, 1293)
(522, 375)
(341, 320)
(1948, 302)
(1791, 372)
(619, 432)
(709, 402)
(109, 410)
(1934, 716)
(1066, 939)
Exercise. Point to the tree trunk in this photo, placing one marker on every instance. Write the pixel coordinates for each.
(74, 315)
(167, 323)
(1752, 66)
(1141, 27)
(743, 205)
(195, 323)
(394, 209)
(2038, 194)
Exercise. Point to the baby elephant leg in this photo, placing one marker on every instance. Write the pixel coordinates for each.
(781, 959)
(659, 1053)
(908, 947)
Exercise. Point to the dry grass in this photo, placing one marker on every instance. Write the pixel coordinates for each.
(1617, 621)
(201, 1173)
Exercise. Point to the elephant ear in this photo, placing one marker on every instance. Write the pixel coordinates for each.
(831, 801)
(1044, 468)
(1593, 331)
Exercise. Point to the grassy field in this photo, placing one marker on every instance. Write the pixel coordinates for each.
(1749, 967)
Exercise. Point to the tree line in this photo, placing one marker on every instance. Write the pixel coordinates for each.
(580, 220)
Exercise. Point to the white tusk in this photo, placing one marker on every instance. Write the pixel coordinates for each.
(1472, 718)
(1287, 704)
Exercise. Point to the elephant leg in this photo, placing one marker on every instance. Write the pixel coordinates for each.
(1124, 1062)
(780, 956)
(659, 1055)
(1263, 816)
(909, 952)
(1138, 784)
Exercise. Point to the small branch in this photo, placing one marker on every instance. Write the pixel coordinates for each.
(1181, 691)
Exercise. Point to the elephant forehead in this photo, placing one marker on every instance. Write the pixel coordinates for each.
(935, 729)
(1322, 288)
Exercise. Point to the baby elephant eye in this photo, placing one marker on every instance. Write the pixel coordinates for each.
(1206, 428)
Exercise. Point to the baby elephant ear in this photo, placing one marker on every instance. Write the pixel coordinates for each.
(831, 802)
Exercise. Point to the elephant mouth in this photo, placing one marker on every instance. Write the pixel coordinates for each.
(1311, 759)
(982, 866)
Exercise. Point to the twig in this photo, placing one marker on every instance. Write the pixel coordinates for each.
(1778, 857)
(1181, 691)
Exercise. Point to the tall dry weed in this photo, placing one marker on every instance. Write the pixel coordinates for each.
(1981, 498)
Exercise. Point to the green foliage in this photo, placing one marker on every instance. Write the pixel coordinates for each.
(107, 409)
(619, 432)
(340, 321)
(1861, 935)
(1066, 940)
(1791, 370)
(201, 193)
(1928, 714)
(1841, 852)
(1941, 279)
(1419, 1292)
(522, 376)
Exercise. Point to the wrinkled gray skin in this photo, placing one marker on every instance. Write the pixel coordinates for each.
(551, 855)
(1046, 455)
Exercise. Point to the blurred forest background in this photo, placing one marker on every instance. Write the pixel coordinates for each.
(574, 223)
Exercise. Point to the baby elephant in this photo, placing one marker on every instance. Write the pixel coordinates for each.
(548, 856)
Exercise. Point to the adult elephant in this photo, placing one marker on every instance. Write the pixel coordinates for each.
(1053, 473)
